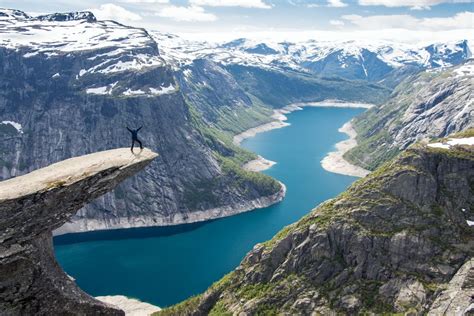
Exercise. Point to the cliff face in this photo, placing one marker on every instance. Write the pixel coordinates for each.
(72, 97)
(31, 207)
(391, 243)
(429, 105)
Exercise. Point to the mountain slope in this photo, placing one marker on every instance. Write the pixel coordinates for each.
(71, 84)
(429, 105)
(388, 244)
(281, 88)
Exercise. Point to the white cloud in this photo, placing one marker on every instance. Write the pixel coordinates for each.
(145, 1)
(336, 22)
(414, 4)
(319, 3)
(110, 11)
(336, 3)
(462, 20)
(232, 3)
(187, 14)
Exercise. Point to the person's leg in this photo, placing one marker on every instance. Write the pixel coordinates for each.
(139, 142)
(133, 143)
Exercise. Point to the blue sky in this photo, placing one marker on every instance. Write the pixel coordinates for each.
(274, 16)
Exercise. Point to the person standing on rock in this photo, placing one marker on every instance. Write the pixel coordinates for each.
(134, 133)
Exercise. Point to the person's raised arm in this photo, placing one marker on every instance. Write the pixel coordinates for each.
(139, 128)
(129, 129)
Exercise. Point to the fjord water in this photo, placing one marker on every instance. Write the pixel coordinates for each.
(166, 265)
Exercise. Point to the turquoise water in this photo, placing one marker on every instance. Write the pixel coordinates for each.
(163, 266)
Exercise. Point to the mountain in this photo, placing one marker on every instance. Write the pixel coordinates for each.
(432, 104)
(355, 60)
(71, 84)
(397, 241)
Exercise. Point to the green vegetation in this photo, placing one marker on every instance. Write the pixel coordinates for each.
(455, 151)
(252, 291)
(219, 310)
(279, 89)
(264, 184)
(466, 133)
(237, 119)
(367, 195)
(184, 308)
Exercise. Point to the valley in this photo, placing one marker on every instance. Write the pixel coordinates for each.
(166, 265)
(248, 202)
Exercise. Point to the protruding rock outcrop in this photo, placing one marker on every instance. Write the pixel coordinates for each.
(31, 207)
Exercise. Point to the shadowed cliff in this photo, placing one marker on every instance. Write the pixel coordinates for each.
(31, 207)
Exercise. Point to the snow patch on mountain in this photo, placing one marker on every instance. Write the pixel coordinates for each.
(465, 70)
(163, 90)
(16, 125)
(469, 141)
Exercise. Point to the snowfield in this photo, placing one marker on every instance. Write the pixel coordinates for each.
(16, 125)
(469, 141)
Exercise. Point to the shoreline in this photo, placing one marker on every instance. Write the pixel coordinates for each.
(333, 162)
(84, 226)
(258, 164)
(131, 306)
(280, 118)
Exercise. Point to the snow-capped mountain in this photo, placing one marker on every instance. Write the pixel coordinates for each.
(124, 48)
(371, 60)
(106, 48)
(70, 83)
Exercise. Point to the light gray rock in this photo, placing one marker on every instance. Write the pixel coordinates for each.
(432, 104)
(458, 297)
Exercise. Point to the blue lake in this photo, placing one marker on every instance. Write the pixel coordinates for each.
(166, 265)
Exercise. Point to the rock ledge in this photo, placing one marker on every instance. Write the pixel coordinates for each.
(31, 207)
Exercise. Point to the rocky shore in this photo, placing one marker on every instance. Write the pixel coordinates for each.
(258, 164)
(335, 162)
(131, 306)
(174, 219)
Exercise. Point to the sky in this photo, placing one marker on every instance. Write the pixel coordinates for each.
(408, 20)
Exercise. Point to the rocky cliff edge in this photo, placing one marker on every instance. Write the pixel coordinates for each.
(31, 207)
